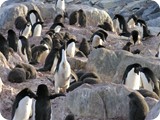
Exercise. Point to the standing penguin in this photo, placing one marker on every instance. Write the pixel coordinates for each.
(82, 18)
(138, 107)
(60, 6)
(127, 46)
(12, 40)
(135, 37)
(27, 31)
(37, 29)
(71, 47)
(22, 106)
(20, 23)
(73, 18)
(131, 76)
(58, 19)
(33, 17)
(132, 21)
(120, 24)
(63, 72)
(24, 49)
(42, 105)
(4, 48)
(149, 80)
(57, 27)
(84, 47)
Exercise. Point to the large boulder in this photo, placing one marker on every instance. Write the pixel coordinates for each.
(110, 65)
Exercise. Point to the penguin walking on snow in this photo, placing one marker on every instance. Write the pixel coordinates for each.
(24, 49)
(149, 80)
(42, 104)
(63, 72)
(131, 76)
(12, 40)
(138, 107)
(22, 106)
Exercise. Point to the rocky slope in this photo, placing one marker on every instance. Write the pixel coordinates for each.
(107, 100)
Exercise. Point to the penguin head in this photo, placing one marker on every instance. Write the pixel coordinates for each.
(80, 11)
(26, 92)
(129, 43)
(70, 117)
(117, 16)
(42, 91)
(137, 68)
(11, 32)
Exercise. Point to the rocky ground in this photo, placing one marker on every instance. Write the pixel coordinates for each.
(107, 100)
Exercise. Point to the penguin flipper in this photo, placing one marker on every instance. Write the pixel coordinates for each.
(56, 95)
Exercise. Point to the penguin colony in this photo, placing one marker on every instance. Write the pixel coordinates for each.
(53, 52)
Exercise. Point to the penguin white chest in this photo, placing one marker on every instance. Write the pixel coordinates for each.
(131, 23)
(57, 29)
(24, 110)
(27, 31)
(43, 56)
(37, 30)
(146, 84)
(61, 4)
(96, 41)
(117, 26)
(71, 48)
(133, 80)
(54, 65)
(32, 18)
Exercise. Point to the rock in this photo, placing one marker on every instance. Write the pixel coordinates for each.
(154, 22)
(154, 112)
(94, 16)
(151, 102)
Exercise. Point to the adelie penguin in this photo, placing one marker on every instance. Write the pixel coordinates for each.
(12, 40)
(131, 77)
(73, 18)
(71, 47)
(33, 17)
(135, 37)
(4, 48)
(37, 29)
(42, 105)
(138, 107)
(27, 31)
(82, 18)
(132, 21)
(22, 106)
(58, 19)
(24, 49)
(120, 24)
(60, 7)
(63, 72)
(57, 27)
(85, 47)
(149, 80)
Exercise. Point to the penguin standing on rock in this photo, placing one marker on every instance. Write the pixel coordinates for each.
(22, 106)
(138, 107)
(42, 105)
(24, 49)
(71, 47)
(149, 80)
(82, 18)
(37, 29)
(131, 76)
(12, 40)
(73, 18)
(135, 37)
(63, 72)
(4, 48)
(58, 19)
(33, 17)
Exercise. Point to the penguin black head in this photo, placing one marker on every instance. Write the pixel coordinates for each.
(141, 22)
(136, 67)
(56, 24)
(134, 17)
(106, 26)
(59, 19)
(135, 36)
(42, 91)
(70, 117)
(26, 92)
(70, 41)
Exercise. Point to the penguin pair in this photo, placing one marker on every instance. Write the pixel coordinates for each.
(24, 49)
(136, 77)
(36, 21)
(83, 77)
(78, 17)
(98, 38)
(138, 107)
